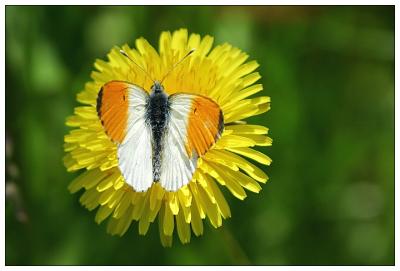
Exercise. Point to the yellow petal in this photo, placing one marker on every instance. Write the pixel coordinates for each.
(219, 198)
(182, 228)
(196, 221)
(106, 196)
(247, 129)
(185, 209)
(112, 226)
(244, 93)
(123, 205)
(119, 183)
(115, 198)
(250, 79)
(142, 200)
(234, 141)
(88, 180)
(253, 154)
(230, 183)
(207, 168)
(243, 112)
(165, 43)
(89, 199)
(87, 112)
(213, 156)
(260, 140)
(166, 240)
(144, 222)
(200, 208)
(205, 45)
(210, 208)
(153, 212)
(179, 41)
(185, 197)
(156, 194)
(194, 41)
(89, 96)
(124, 222)
(69, 147)
(245, 165)
(102, 213)
(108, 181)
(245, 181)
(173, 203)
(206, 187)
(119, 226)
(168, 223)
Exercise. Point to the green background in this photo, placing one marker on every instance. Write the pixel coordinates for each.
(330, 73)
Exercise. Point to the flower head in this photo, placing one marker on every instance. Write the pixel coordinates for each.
(221, 74)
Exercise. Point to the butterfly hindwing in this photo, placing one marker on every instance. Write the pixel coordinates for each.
(122, 110)
(195, 124)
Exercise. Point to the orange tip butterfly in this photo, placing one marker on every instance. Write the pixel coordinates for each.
(159, 138)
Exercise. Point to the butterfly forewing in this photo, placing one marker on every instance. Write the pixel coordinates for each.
(195, 124)
(122, 110)
(112, 108)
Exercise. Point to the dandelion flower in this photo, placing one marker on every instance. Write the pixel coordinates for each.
(220, 74)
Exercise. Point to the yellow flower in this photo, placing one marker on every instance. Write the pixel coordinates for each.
(221, 74)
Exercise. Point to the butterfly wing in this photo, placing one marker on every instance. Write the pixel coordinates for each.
(121, 107)
(195, 124)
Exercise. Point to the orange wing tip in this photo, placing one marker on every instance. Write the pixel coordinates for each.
(205, 125)
(112, 109)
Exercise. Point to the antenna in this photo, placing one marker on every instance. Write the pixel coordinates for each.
(179, 62)
(126, 55)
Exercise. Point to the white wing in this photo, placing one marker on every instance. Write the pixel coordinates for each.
(193, 127)
(135, 151)
(176, 167)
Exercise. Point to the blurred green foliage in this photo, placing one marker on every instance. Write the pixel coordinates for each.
(330, 73)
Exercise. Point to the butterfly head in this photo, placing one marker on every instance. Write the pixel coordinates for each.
(157, 87)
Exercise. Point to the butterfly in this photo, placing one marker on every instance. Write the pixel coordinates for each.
(159, 137)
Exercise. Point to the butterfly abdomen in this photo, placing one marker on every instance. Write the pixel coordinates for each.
(157, 117)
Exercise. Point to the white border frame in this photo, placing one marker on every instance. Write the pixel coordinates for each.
(185, 268)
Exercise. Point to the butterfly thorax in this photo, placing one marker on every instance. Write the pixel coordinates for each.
(157, 112)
